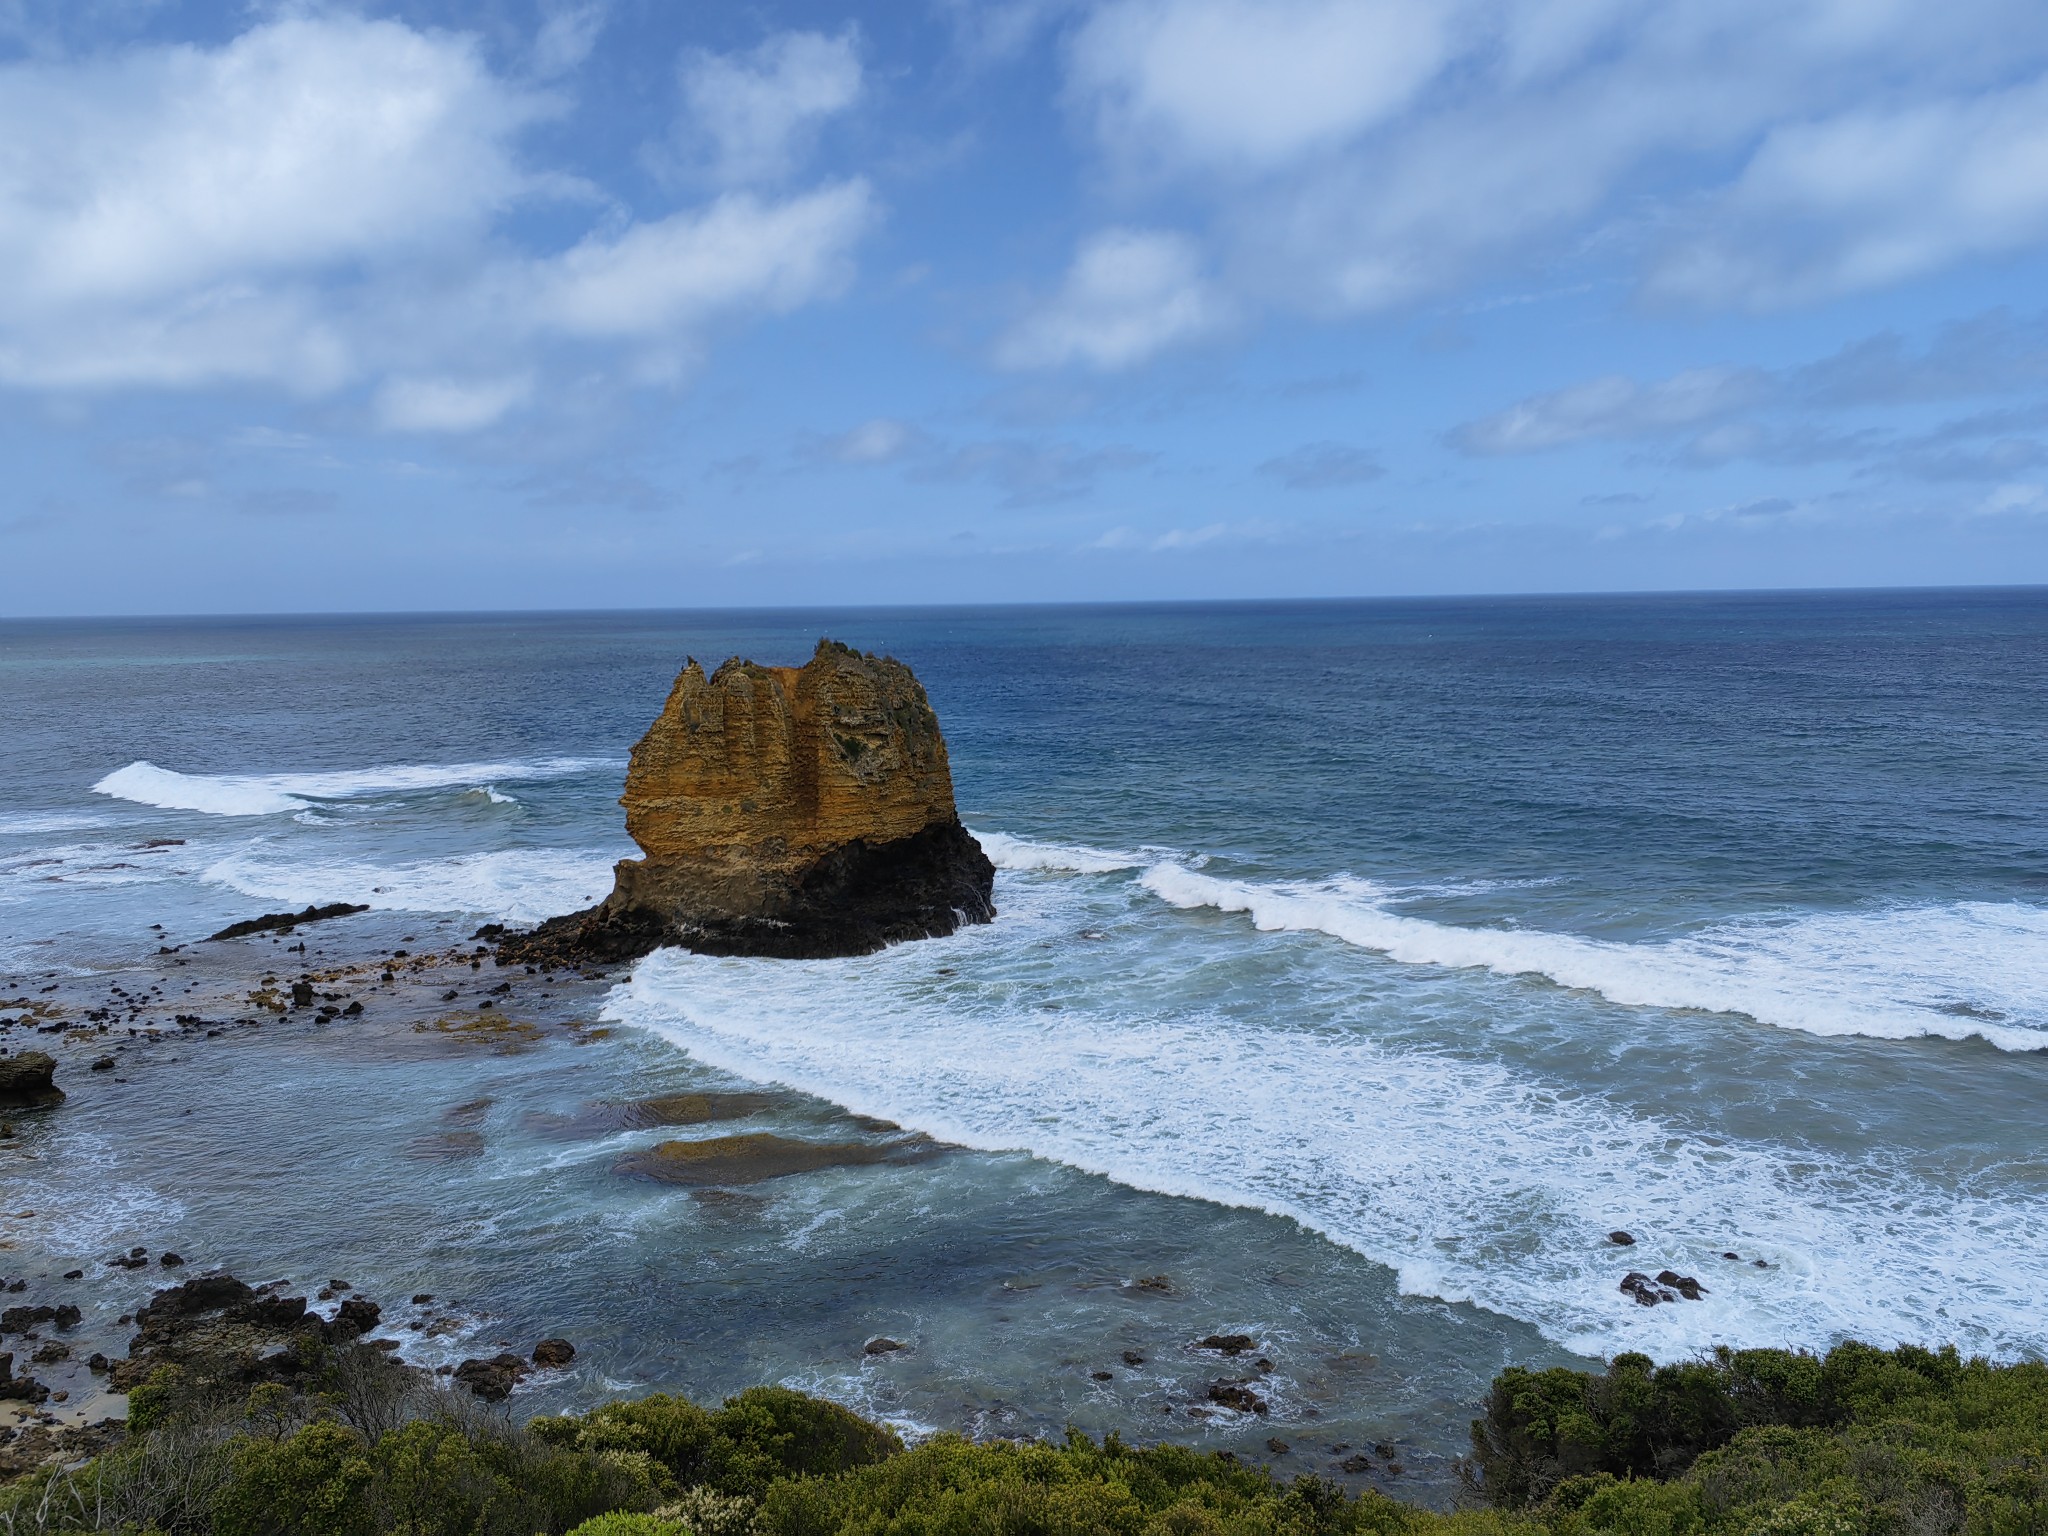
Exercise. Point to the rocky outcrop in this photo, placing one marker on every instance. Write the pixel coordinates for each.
(790, 811)
(28, 1079)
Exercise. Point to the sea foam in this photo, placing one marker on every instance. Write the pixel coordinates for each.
(1469, 1178)
(1962, 970)
(275, 794)
(523, 885)
(1008, 852)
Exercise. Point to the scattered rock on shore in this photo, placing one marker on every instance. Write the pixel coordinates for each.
(23, 1389)
(280, 922)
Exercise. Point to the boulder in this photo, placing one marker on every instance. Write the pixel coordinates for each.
(1237, 1395)
(493, 1378)
(553, 1354)
(786, 811)
(24, 1389)
(28, 1078)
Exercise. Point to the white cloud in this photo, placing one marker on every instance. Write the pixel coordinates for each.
(1360, 154)
(567, 36)
(759, 112)
(1614, 407)
(319, 204)
(1865, 199)
(1995, 353)
(302, 144)
(448, 405)
(741, 252)
(872, 442)
(1129, 294)
(1250, 84)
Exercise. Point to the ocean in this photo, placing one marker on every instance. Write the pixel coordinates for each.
(1360, 967)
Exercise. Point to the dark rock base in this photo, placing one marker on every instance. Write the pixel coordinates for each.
(854, 901)
(28, 1079)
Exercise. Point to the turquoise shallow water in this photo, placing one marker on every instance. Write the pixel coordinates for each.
(1359, 965)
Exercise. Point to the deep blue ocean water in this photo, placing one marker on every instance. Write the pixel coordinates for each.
(1363, 964)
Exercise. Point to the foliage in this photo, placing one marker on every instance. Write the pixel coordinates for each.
(1861, 1442)
(761, 1435)
(631, 1525)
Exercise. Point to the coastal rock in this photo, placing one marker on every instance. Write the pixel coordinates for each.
(1645, 1291)
(785, 811)
(492, 1378)
(358, 1314)
(1685, 1285)
(758, 1156)
(29, 1078)
(226, 1330)
(1237, 1395)
(285, 922)
(25, 1389)
(553, 1354)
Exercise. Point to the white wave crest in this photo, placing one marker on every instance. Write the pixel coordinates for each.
(52, 821)
(1467, 1178)
(1007, 852)
(1969, 969)
(275, 794)
(522, 885)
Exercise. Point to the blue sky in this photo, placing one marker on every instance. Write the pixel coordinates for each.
(570, 303)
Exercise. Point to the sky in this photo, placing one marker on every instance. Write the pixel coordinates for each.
(500, 304)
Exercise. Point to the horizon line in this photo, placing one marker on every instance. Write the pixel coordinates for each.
(1618, 594)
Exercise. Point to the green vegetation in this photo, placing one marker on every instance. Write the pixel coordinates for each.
(1861, 1442)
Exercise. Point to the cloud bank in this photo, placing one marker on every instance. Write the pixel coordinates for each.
(322, 203)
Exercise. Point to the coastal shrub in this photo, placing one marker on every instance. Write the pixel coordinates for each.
(1863, 1439)
(1860, 1442)
(427, 1478)
(763, 1434)
(949, 1486)
(631, 1525)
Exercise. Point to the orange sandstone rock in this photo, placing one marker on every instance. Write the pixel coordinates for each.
(794, 811)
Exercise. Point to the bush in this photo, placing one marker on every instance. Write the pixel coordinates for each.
(1863, 1439)
(761, 1435)
(630, 1525)
(1861, 1442)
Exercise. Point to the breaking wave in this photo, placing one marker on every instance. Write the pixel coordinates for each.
(522, 885)
(276, 794)
(1957, 971)
(1469, 1178)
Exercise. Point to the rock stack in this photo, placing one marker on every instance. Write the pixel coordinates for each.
(789, 811)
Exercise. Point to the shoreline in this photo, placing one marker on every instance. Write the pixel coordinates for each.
(378, 985)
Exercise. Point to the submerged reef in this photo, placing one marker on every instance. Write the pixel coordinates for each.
(798, 812)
